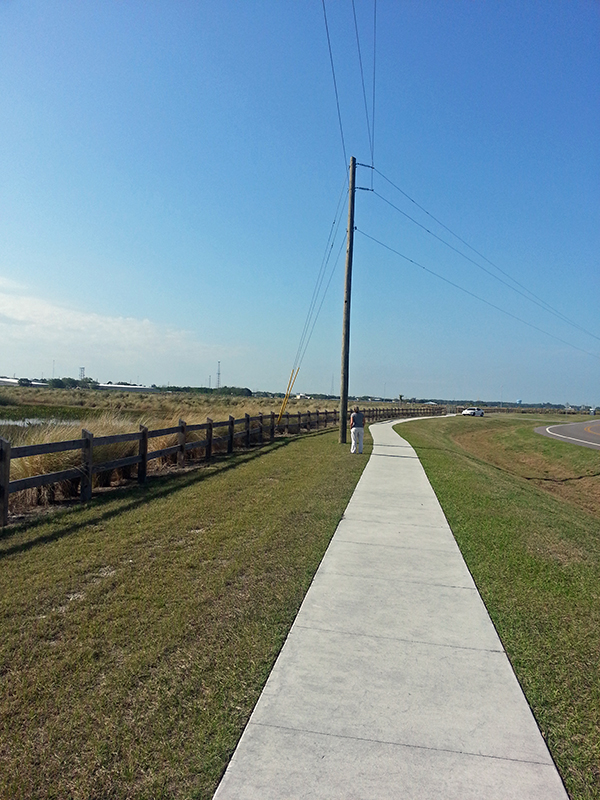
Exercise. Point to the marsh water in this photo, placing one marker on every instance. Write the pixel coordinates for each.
(15, 429)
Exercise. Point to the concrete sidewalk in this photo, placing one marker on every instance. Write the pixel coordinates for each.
(392, 682)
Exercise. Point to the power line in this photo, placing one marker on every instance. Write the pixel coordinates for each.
(311, 316)
(321, 274)
(540, 304)
(362, 78)
(460, 239)
(337, 99)
(331, 274)
(530, 296)
(374, 68)
(477, 297)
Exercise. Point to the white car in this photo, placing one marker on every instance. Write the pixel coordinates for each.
(472, 412)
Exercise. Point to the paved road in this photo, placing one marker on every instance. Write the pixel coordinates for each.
(393, 683)
(585, 434)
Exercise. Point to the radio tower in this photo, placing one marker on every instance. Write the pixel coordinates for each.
(218, 374)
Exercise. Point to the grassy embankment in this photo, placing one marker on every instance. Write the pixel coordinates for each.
(525, 511)
(137, 631)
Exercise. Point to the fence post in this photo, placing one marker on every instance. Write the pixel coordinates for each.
(308, 421)
(299, 422)
(4, 481)
(209, 438)
(87, 461)
(247, 430)
(260, 428)
(317, 415)
(230, 435)
(287, 422)
(143, 454)
(272, 427)
(181, 442)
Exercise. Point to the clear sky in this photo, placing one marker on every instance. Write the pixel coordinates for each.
(170, 173)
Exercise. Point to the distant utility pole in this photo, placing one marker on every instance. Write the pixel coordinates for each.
(347, 295)
(218, 374)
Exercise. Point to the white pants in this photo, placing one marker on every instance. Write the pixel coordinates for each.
(356, 434)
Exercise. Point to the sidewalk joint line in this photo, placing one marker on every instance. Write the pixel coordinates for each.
(355, 634)
(395, 580)
(404, 744)
(377, 522)
(391, 546)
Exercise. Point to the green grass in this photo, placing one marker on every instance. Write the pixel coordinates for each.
(19, 412)
(525, 511)
(137, 631)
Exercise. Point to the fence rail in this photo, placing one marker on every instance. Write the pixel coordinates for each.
(255, 430)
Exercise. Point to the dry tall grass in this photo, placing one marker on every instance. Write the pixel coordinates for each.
(113, 413)
(154, 411)
(160, 404)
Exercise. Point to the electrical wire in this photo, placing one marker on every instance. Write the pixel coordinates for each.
(362, 78)
(335, 263)
(319, 281)
(472, 294)
(532, 296)
(337, 98)
(541, 304)
(312, 316)
(373, 92)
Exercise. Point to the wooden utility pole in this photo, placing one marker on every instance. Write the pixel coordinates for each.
(347, 295)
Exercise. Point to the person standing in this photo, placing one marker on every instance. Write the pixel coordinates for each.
(357, 430)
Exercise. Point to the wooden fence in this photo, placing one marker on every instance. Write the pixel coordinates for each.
(243, 432)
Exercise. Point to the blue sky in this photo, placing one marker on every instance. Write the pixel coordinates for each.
(170, 173)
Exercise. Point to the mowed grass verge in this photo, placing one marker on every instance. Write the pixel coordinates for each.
(138, 631)
(525, 511)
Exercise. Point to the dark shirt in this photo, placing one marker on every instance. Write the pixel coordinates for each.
(357, 420)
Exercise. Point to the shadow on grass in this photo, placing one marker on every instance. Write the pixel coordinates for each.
(132, 497)
(543, 479)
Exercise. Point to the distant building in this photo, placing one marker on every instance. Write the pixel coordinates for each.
(125, 387)
(15, 382)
